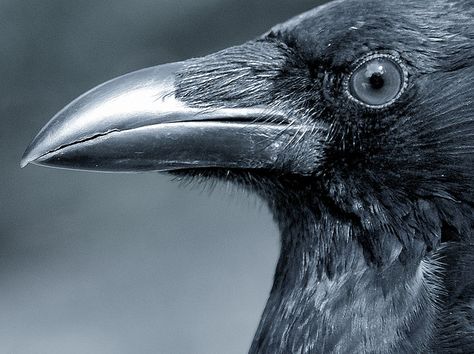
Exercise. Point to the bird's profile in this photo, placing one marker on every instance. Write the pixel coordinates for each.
(355, 123)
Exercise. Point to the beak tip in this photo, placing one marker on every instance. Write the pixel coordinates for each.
(31, 154)
(26, 158)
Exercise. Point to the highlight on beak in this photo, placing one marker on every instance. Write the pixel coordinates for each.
(128, 102)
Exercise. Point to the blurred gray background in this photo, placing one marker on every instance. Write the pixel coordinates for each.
(104, 263)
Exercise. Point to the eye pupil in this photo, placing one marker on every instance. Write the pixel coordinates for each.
(377, 81)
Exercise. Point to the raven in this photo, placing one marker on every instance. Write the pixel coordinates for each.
(355, 123)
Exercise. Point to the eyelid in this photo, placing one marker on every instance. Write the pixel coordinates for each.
(359, 63)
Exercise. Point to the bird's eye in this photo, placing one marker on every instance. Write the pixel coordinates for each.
(378, 81)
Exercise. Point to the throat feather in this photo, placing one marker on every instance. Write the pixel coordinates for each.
(329, 297)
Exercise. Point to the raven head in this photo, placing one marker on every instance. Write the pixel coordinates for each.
(355, 121)
(368, 108)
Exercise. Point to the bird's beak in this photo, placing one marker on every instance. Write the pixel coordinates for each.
(137, 123)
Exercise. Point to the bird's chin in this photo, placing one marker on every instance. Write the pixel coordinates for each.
(267, 184)
(238, 176)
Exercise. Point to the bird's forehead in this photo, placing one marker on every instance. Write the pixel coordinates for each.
(325, 29)
(342, 30)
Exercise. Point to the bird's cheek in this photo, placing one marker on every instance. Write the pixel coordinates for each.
(305, 152)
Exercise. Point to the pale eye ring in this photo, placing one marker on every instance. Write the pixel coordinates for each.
(377, 81)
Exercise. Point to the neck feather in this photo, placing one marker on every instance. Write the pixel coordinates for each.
(329, 297)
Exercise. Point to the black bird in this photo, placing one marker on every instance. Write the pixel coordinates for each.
(355, 123)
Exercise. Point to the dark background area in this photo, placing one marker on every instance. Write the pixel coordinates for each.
(110, 263)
